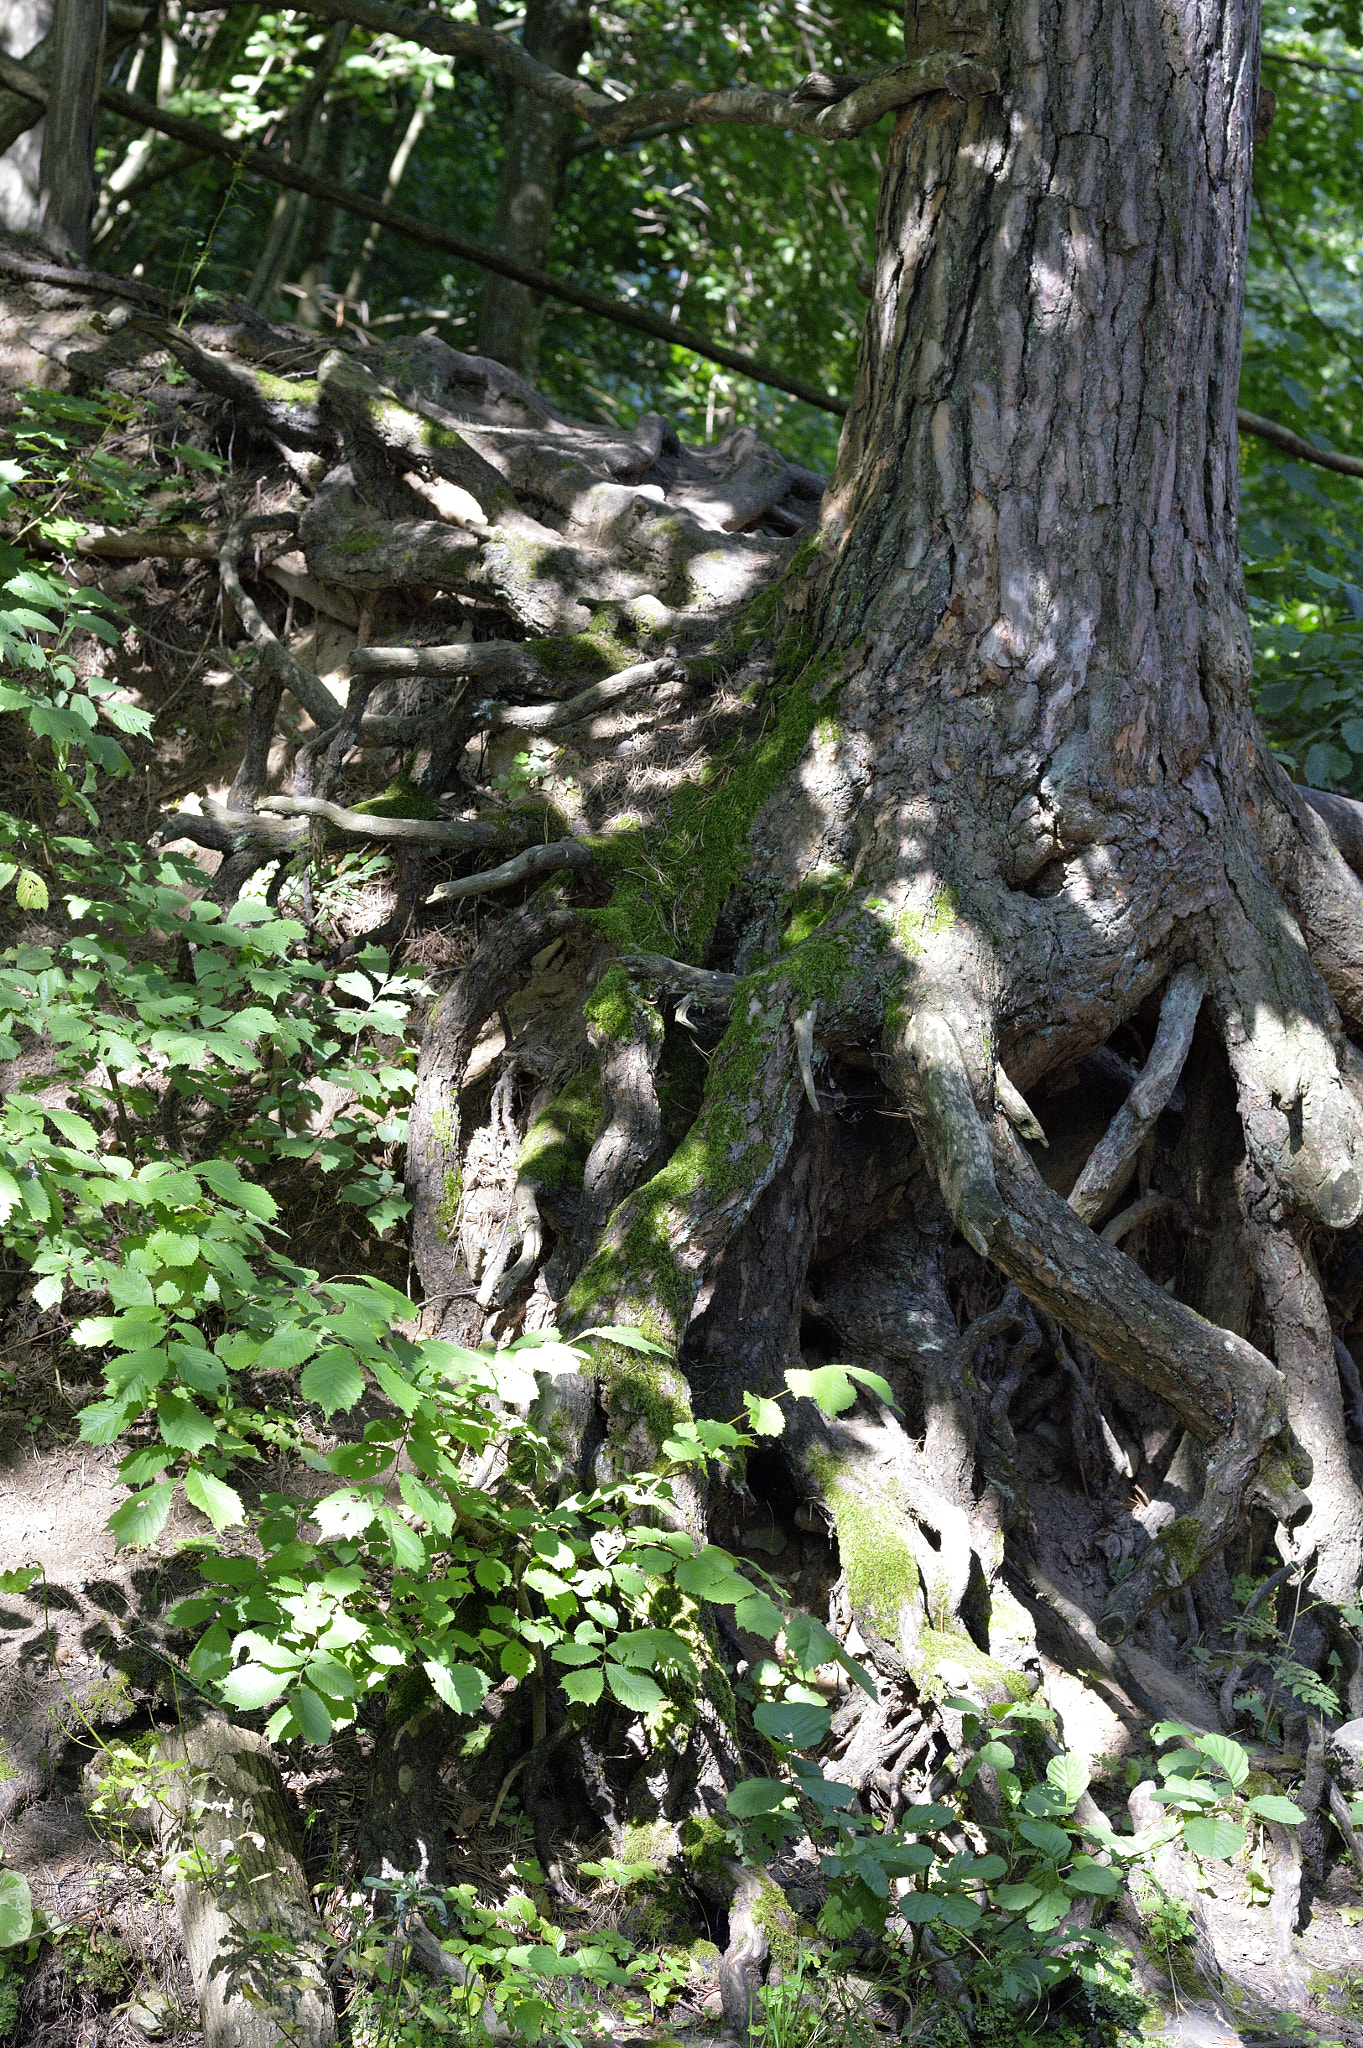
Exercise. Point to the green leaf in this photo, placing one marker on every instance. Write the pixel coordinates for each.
(30, 891)
(140, 1520)
(333, 1379)
(1085, 1875)
(1070, 1777)
(214, 1498)
(11, 1195)
(625, 1335)
(1046, 1836)
(287, 1349)
(633, 1689)
(793, 1721)
(757, 1795)
(1214, 1835)
(173, 1248)
(313, 1717)
(828, 1386)
(251, 1686)
(765, 1418)
(462, 1687)
(760, 1616)
(1016, 1898)
(19, 1580)
(1272, 1806)
(919, 1908)
(16, 1909)
(925, 1820)
(585, 1687)
(183, 1425)
(1228, 1756)
(712, 1576)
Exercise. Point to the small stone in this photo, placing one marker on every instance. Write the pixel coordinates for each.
(1348, 1742)
(150, 2014)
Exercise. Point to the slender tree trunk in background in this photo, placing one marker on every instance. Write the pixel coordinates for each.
(411, 135)
(67, 173)
(538, 139)
(307, 142)
(26, 34)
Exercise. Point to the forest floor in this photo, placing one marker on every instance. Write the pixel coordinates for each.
(84, 1655)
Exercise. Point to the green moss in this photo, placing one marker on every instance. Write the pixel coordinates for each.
(774, 1917)
(286, 390)
(1183, 1542)
(611, 1007)
(638, 1386)
(653, 1841)
(939, 1645)
(586, 657)
(360, 543)
(693, 864)
(881, 1569)
(401, 799)
(705, 1847)
(8, 1767)
(447, 1211)
(558, 1141)
(813, 903)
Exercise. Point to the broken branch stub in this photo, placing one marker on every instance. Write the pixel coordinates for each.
(1113, 1158)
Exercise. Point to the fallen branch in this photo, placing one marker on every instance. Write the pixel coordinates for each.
(461, 835)
(511, 662)
(549, 717)
(530, 866)
(706, 987)
(309, 689)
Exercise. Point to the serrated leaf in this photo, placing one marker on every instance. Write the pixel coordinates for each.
(633, 1689)
(16, 1909)
(1046, 1836)
(920, 1908)
(333, 1379)
(627, 1336)
(1213, 1835)
(140, 1520)
(757, 1795)
(30, 891)
(1016, 1898)
(828, 1386)
(585, 1687)
(765, 1418)
(1272, 1806)
(213, 1497)
(252, 1685)
(311, 1714)
(793, 1721)
(182, 1424)
(287, 1349)
(1069, 1775)
(462, 1687)
(1084, 1875)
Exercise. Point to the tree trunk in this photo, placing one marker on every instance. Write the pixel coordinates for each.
(535, 153)
(67, 173)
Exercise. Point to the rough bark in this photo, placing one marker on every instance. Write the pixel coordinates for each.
(227, 1825)
(67, 188)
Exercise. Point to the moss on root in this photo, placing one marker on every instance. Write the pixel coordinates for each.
(701, 851)
(951, 1646)
(587, 657)
(880, 1567)
(557, 1143)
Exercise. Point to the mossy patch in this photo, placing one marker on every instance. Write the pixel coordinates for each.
(601, 650)
(882, 1571)
(953, 1646)
(1183, 1543)
(818, 897)
(558, 1141)
(286, 390)
(401, 799)
(706, 1848)
(694, 863)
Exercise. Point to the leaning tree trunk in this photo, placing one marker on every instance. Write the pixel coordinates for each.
(537, 140)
